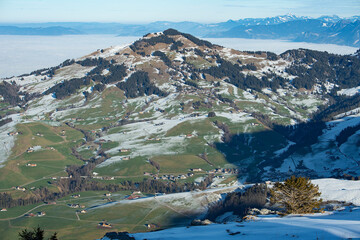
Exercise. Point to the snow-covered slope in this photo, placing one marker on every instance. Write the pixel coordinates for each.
(338, 225)
(341, 224)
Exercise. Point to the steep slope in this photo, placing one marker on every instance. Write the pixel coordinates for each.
(171, 102)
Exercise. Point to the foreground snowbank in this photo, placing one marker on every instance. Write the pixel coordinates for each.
(330, 225)
(336, 225)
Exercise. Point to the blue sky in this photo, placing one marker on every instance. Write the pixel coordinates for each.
(143, 11)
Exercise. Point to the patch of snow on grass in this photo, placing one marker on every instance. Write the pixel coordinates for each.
(110, 161)
(7, 142)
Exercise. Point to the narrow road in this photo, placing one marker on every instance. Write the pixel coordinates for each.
(6, 219)
(77, 216)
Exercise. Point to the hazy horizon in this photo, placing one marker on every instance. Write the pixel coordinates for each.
(139, 23)
(144, 11)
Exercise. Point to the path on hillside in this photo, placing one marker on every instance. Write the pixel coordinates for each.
(348, 157)
(45, 177)
(12, 218)
(170, 207)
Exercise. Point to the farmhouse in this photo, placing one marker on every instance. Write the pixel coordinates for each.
(20, 188)
(124, 150)
(151, 226)
(105, 225)
(41, 214)
(74, 205)
(30, 150)
(13, 133)
(195, 169)
(31, 165)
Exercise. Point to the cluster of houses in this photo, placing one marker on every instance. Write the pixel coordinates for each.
(77, 119)
(96, 176)
(38, 214)
(107, 178)
(224, 171)
(154, 139)
(75, 205)
(169, 177)
(13, 133)
(195, 170)
(232, 171)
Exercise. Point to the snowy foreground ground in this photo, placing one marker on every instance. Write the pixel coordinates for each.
(341, 224)
(333, 225)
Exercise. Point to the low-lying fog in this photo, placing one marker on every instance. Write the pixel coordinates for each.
(24, 54)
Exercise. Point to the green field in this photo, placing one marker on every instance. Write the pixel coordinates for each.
(128, 216)
(51, 158)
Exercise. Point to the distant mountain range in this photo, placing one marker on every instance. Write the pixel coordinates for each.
(325, 29)
(56, 30)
